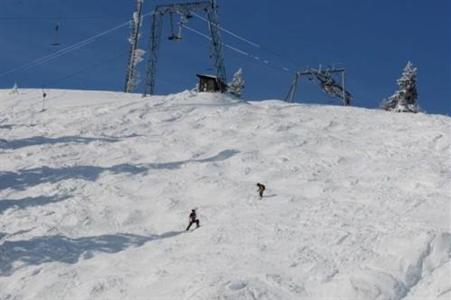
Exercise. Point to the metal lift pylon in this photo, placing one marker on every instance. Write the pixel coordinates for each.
(185, 11)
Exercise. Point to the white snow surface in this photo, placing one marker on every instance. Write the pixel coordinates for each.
(95, 193)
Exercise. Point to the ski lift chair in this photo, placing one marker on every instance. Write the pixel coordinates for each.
(175, 36)
(56, 40)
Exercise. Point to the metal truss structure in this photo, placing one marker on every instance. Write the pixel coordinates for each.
(184, 12)
(134, 38)
(325, 80)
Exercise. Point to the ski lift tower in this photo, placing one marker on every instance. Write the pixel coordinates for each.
(325, 80)
(135, 25)
(184, 12)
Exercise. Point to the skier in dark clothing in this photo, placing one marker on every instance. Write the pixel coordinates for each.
(261, 189)
(44, 95)
(193, 219)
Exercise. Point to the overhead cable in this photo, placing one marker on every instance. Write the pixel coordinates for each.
(241, 38)
(73, 47)
(242, 52)
(229, 32)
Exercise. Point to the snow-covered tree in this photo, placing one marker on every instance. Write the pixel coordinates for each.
(14, 89)
(405, 98)
(236, 86)
(195, 89)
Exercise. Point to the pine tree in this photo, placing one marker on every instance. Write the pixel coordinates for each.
(236, 86)
(405, 98)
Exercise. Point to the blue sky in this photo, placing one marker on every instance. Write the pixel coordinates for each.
(372, 39)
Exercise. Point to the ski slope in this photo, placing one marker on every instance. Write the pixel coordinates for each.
(95, 193)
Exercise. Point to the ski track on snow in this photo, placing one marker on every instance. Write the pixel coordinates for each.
(96, 189)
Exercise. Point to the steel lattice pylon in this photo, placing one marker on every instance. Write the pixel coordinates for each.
(326, 82)
(134, 38)
(185, 10)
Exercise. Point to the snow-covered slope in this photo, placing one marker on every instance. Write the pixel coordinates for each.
(95, 193)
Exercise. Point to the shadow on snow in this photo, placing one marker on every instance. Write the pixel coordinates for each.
(221, 156)
(41, 140)
(57, 248)
(30, 177)
(29, 202)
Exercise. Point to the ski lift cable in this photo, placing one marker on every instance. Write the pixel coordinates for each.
(90, 67)
(62, 18)
(228, 31)
(46, 58)
(242, 52)
(254, 44)
(53, 57)
(207, 37)
(73, 47)
(63, 51)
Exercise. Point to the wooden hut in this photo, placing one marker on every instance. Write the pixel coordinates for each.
(210, 83)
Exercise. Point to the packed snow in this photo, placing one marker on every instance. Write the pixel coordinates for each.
(96, 189)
